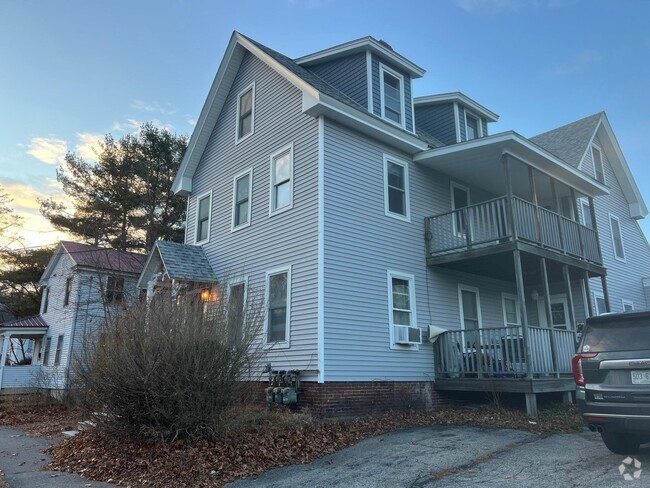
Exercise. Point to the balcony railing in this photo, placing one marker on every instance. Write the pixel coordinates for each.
(500, 352)
(488, 223)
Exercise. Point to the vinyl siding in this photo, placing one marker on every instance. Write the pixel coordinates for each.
(624, 278)
(348, 75)
(437, 120)
(361, 243)
(288, 238)
(376, 90)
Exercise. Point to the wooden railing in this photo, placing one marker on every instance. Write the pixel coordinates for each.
(502, 352)
(487, 223)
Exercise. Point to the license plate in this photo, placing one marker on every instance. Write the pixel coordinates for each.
(641, 377)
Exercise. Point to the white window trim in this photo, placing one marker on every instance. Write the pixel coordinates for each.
(627, 302)
(196, 217)
(412, 297)
(385, 69)
(472, 289)
(595, 303)
(611, 232)
(239, 95)
(510, 296)
(288, 147)
(479, 123)
(593, 161)
(287, 332)
(45, 300)
(249, 173)
(584, 203)
(407, 202)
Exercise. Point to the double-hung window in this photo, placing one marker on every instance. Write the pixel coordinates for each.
(57, 352)
(396, 188)
(472, 127)
(392, 95)
(586, 214)
(203, 211)
(281, 180)
(246, 112)
(601, 305)
(236, 310)
(46, 299)
(114, 289)
(68, 290)
(510, 310)
(401, 300)
(242, 192)
(599, 171)
(617, 237)
(278, 305)
(46, 351)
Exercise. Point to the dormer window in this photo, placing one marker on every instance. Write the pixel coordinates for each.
(392, 95)
(472, 127)
(245, 112)
(597, 156)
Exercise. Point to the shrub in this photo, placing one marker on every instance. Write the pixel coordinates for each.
(171, 367)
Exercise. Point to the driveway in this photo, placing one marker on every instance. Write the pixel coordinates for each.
(462, 456)
(22, 461)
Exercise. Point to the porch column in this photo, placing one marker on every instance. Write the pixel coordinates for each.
(590, 305)
(558, 209)
(569, 295)
(574, 208)
(5, 349)
(519, 276)
(592, 211)
(533, 191)
(509, 211)
(603, 280)
(549, 314)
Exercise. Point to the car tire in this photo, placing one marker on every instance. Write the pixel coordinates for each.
(621, 443)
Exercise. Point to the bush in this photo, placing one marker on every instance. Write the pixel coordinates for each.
(171, 367)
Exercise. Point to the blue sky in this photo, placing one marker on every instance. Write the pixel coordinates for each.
(74, 70)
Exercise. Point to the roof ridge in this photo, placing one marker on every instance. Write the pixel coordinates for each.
(570, 123)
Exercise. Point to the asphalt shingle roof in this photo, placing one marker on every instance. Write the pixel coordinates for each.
(185, 262)
(33, 321)
(570, 141)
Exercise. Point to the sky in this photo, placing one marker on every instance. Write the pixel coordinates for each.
(72, 71)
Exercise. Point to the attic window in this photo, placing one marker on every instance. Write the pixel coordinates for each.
(245, 112)
(599, 171)
(392, 95)
(472, 127)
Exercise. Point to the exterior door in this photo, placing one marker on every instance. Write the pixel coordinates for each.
(559, 312)
(470, 315)
(459, 199)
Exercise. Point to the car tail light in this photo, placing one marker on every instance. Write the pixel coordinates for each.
(577, 366)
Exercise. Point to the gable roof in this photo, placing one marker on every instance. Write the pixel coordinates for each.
(100, 258)
(319, 98)
(572, 141)
(363, 44)
(182, 262)
(457, 97)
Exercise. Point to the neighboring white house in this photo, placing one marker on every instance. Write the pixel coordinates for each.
(78, 282)
(376, 215)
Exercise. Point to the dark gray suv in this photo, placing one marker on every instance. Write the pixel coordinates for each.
(612, 373)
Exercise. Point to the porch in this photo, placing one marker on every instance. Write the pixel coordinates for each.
(21, 345)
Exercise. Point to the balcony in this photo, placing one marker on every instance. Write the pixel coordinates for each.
(505, 220)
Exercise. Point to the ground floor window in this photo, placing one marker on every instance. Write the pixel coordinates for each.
(278, 304)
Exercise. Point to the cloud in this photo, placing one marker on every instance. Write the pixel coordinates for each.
(511, 5)
(48, 149)
(89, 145)
(578, 63)
(133, 125)
(142, 106)
(192, 122)
(36, 230)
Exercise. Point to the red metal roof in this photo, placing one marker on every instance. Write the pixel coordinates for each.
(33, 321)
(105, 258)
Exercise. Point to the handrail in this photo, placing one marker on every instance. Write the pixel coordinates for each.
(474, 205)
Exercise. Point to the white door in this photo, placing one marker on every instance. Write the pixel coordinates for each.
(470, 315)
(559, 312)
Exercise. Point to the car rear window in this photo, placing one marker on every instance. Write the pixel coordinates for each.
(621, 335)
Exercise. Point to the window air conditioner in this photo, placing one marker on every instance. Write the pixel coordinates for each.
(405, 334)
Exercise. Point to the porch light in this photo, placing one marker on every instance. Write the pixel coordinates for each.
(205, 295)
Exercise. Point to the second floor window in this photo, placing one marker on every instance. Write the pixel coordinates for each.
(599, 171)
(471, 127)
(586, 215)
(114, 289)
(281, 180)
(68, 290)
(617, 237)
(245, 112)
(203, 219)
(46, 299)
(242, 190)
(392, 96)
(396, 188)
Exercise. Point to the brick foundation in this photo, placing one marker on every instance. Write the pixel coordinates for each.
(359, 398)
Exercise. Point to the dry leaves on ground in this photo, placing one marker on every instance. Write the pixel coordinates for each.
(130, 461)
(45, 420)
